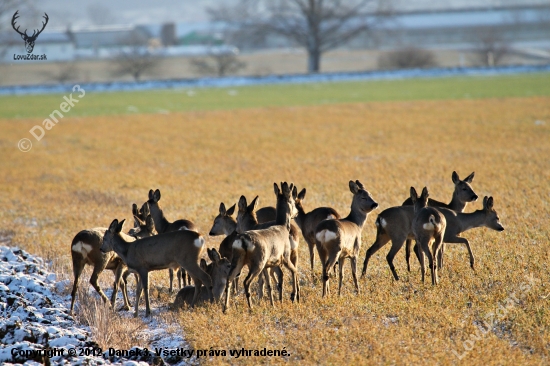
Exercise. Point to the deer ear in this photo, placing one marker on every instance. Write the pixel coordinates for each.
(353, 187)
(151, 194)
(120, 226)
(294, 193)
(253, 205)
(137, 221)
(359, 184)
(222, 209)
(203, 264)
(490, 203)
(276, 189)
(150, 224)
(135, 209)
(242, 203)
(214, 255)
(425, 193)
(414, 195)
(302, 194)
(455, 178)
(469, 178)
(485, 202)
(230, 211)
(145, 210)
(157, 195)
(113, 226)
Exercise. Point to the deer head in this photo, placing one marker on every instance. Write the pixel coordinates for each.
(29, 40)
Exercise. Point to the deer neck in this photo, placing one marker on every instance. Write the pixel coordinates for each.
(158, 218)
(248, 221)
(283, 213)
(301, 217)
(357, 216)
(230, 226)
(471, 220)
(122, 245)
(456, 204)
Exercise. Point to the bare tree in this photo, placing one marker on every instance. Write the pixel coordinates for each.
(135, 58)
(407, 58)
(218, 63)
(316, 25)
(490, 46)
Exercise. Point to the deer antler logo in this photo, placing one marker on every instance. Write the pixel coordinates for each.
(29, 40)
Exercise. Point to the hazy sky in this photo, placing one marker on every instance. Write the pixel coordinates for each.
(81, 12)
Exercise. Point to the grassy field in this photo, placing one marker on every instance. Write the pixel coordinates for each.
(179, 100)
(88, 170)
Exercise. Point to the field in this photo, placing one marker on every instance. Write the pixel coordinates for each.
(213, 146)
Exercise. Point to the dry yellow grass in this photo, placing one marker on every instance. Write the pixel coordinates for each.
(88, 171)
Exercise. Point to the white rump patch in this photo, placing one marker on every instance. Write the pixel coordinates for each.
(428, 226)
(82, 248)
(183, 228)
(325, 236)
(237, 244)
(331, 217)
(199, 242)
(383, 222)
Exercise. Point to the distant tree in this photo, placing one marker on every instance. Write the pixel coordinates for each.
(135, 58)
(218, 63)
(490, 47)
(407, 58)
(316, 25)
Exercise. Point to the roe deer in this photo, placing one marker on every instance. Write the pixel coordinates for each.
(164, 226)
(247, 220)
(266, 248)
(85, 250)
(308, 222)
(462, 195)
(428, 226)
(337, 240)
(395, 223)
(181, 248)
(218, 270)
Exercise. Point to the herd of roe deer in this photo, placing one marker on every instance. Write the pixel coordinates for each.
(265, 240)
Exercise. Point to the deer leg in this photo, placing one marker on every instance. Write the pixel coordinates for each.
(331, 262)
(171, 273)
(279, 280)
(408, 246)
(268, 285)
(253, 272)
(417, 251)
(199, 277)
(341, 275)
(436, 249)
(395, 247)
(145, 284)
(459, 240)
(311, 258)
(381, 239)
(440, 256)
(78, 266)
(294, 260)
(426, 248)
(295, 287)
(353, 261)
(93, 281)
(120, 269)
(237, 264)
(421, 260)
(138, 294)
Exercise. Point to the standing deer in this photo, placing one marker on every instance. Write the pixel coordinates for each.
(181, 248)
(462, 195)
(266, 248)
(218, 270)
(162, 225)
(309, 221)
(339, 239)
(85, 250)
(395, 224)
(428, 226)
(247, 220)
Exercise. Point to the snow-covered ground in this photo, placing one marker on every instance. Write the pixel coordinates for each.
(35, 319)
